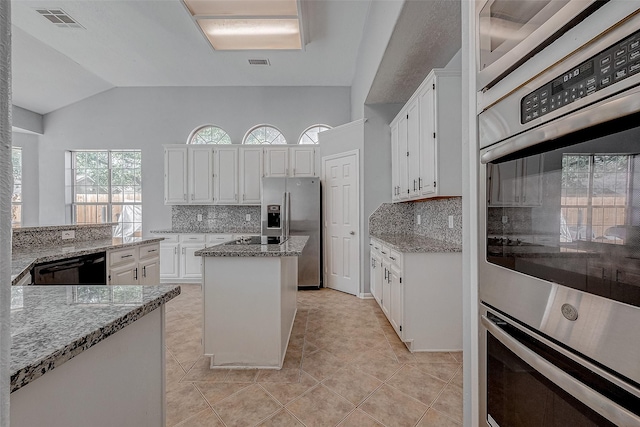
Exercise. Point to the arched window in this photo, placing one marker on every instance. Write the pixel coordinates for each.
(310, 134)
(264, 134)
(209, 134)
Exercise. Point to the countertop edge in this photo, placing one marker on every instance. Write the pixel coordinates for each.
(441, 246)
(29, 373)
(172, 231)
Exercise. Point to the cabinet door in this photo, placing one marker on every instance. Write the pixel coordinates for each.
(413, 148)
(276, 161)
(428, 156)
(376, 278)
(124, 275)
(200, 175)
(403, 174)
(531, 186)
(169, 261)
(504, 181)
(149, 272)
(395, 166)
(302, 161)
(175, 175)
(386, 290)
(226, 175)
(372, 276)
(250, 175)
(396, 303)
(191, 265)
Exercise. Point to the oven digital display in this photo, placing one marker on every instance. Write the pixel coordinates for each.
(608, 67)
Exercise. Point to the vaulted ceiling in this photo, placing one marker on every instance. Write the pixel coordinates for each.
(127, 43)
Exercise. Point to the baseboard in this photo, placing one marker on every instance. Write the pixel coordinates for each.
(366, 295)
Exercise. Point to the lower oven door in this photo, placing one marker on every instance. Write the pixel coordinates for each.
(528, 381)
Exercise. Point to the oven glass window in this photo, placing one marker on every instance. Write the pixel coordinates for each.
(569, 212)
(518, 395)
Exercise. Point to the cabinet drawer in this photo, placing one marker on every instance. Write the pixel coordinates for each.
(217, 239)
(149, 251)
(192, 238)
(168, 238)
(384, 250)
(123, 256)
(395, 257)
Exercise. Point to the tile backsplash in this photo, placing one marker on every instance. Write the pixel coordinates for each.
(401, 218)
(215, 219)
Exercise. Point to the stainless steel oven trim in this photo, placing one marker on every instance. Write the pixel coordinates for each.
(598, 403)
(606, 375)
(502, 119)
(493, 71)
(620, 105)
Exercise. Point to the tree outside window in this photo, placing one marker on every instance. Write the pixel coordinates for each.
(264, 134)
(107, 187)
(310, 134)
(209, 134)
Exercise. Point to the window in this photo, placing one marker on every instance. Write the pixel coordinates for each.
(310, 134)
(264, 134)
(107, 187)
(209, 134)
(16, 197)
(594, 197)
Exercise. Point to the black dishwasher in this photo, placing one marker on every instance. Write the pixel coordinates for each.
(82, 270)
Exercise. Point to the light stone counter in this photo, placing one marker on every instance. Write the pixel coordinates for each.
(413, 243)
(292, 247)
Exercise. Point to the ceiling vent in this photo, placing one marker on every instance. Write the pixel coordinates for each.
(59, 18)
(259, 62)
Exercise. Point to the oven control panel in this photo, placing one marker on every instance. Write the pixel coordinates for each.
(610, 66)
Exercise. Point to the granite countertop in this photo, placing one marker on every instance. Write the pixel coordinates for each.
(52, 324)
(413, 243)
(39, 228)
(202, 231)
(23, 260)
(292, 247)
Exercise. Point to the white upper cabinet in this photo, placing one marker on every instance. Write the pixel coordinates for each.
(302, 161)
(276, 161)
(426, 159)
(226, 175)
(175, 175)
(250, 175)
(200, 174)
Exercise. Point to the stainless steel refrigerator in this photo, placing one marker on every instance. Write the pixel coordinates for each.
(290, 207)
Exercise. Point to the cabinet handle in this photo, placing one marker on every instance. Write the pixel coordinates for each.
(152, 250)
(144, 271)
(392, 258)
(414, 185)
(135, 273)
(125, 256)
(383, 252)
(175, 250)
(385, 273)
(419, 183)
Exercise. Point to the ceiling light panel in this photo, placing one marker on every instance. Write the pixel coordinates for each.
(251, 34)
(229, 8)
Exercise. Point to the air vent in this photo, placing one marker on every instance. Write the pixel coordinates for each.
(59, 18)
(259, 62)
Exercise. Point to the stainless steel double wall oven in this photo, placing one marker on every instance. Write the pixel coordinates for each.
(559, 283)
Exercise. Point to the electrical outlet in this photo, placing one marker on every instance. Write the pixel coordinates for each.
(450, 221)
(68, 234)
(419, 219)
(199, 217)
(247, 217)
(505, 219)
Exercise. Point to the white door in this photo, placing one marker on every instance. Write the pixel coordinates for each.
(169, 261)
(342, 222)
(201, 175)
(149, 272)
(428, 161)
(191, 265)
(302, 161)
(276, 162)
(250, 175)
(125, 275)
(403, 173)
(226, 175)
(175, 175)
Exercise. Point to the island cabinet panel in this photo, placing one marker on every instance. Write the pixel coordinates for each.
(249, 308)
(117, 382)
(137, 265)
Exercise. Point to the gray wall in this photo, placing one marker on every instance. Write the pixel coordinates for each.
(146, 118)
(26, 120)
(30, 176)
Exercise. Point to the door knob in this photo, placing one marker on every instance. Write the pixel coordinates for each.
(353, 233)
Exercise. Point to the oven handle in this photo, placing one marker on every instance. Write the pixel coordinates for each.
(611, 108)
(600, 404)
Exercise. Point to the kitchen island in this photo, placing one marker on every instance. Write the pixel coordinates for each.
(249, 295)
(88, 355)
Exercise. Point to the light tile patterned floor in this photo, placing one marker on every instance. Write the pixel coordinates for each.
(345, 366)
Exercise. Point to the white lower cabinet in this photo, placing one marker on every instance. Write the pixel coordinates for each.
(421, 295)
(135, 265)
(177, 259)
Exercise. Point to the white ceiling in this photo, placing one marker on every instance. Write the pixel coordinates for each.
(155, 43)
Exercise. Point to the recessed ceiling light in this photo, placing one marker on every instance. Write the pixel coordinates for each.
(249, 34)
(243, 7)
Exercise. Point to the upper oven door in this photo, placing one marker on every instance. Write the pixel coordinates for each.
(509, 32)
(585, 85)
